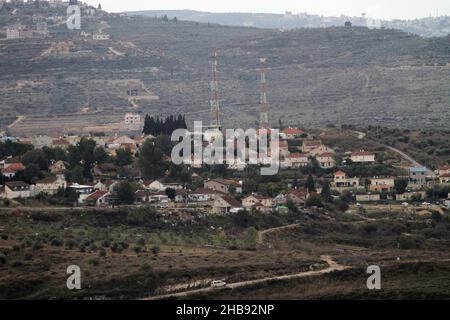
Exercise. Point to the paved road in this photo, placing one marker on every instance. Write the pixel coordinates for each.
(410, 159)
(333, 266)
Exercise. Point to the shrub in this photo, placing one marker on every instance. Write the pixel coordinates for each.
(102, 252)
(70, 243)
(156, 250)
(28, 256)
(56, 242)
(137, 249)
(4, 237)
(106, 243)
(36, 246)
(93, 247)
(93, 261)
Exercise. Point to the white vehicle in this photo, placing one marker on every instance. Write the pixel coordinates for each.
(405, 204)
(218, 284)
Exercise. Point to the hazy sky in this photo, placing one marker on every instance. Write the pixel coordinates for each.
(385, 9)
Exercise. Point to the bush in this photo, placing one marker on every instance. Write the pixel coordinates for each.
(28, 256)
(4, 237)
(137, 249)
(106, 244)
(36, 246)
(70, 244)
(156, 250)
(56, 242)
(93, 261)
(102, 252)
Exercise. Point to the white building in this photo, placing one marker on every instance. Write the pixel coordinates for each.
(12, 33)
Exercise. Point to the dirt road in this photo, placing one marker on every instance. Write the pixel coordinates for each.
(333, 266)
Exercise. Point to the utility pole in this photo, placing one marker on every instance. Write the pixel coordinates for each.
(264, 112)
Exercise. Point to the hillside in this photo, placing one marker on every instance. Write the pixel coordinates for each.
(426, 27)
(316, 76)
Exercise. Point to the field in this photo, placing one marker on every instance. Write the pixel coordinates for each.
(139, 253)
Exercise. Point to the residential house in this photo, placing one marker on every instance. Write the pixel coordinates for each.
(363, 157)
(444, 170)
(18, 190)
(142, 196)
(368, 197)
(99, 198)
(103, 170)
(321, 150)
(444, 179)
(283, 146)
(51, 185)
(42, 141)
(309, 145)
(226, 204)
(174, 186)
(58, 167)
(203, 195)
(106, 185)
(408, 196)
(61, 143)
(295, 160)
(298, 196)
(10, 170)
(326, 160)
(224, 185)
(258, 201)
(342, 181)
(83, 191)
(154, 186)
(160, 198)
(418, 176)
(378, 184)
(291, 133)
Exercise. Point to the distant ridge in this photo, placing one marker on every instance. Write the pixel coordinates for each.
(427, 27)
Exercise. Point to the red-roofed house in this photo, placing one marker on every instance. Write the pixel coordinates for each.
(298, 196)
(291, 133)
(326, 160)
(11, 169)
(98, 198)
(444, 170)
(342, 181)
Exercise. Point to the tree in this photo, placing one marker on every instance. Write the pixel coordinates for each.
(310, 185)
(30, 174)
(125, 192)
(151, 161)
(100, 155)
(171, 193)
(123, 158)
(37, 157)
(326, 191)
(400, 185)
(75, 175)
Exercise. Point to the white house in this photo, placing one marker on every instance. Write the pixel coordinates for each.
(326, 160)
(51, 185)
(363, 157)
(18, 190)
(295, 160)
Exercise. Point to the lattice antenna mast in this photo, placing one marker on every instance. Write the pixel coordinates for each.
(214, 101)
(264, 113)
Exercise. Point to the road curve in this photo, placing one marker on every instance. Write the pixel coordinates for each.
(332, 267)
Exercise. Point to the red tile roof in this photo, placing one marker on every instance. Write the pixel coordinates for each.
(293, 131)
(96, 195)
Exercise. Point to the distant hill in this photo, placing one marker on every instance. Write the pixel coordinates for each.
(427, 27)
(316, 76)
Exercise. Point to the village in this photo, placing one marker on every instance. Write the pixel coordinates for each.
(312, 173)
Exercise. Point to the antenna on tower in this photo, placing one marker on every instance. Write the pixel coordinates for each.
(214, 101)
(264, 113)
